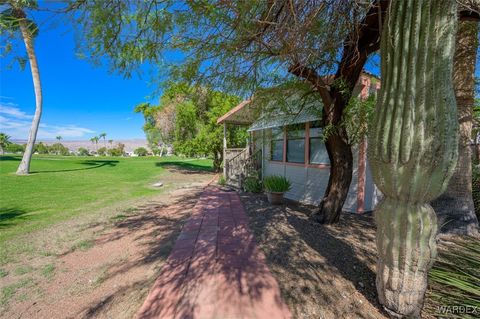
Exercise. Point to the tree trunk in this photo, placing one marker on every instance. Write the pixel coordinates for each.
(454, 208)
(413, 146)
(358, 46)
(24, 167)
(217, 161)
(341, 166)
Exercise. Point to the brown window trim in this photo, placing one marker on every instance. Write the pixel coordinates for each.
(306, 162)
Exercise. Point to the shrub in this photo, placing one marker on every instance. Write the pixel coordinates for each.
(15, 148)
(454, 279)
(222, 181)
(83, 152)
(41, 148)
(252, 184)
(102, 151)
(277, 184)
(117, 151)
(59, 149)
(141, 151)
(114, 152)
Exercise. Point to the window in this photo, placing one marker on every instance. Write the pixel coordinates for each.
(296, 143)
(318, 151)
(277, 144)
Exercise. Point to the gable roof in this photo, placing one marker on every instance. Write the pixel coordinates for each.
(238, 115)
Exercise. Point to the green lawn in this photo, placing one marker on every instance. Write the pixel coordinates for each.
(61, 187)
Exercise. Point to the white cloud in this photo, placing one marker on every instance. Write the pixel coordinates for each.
(17, 123)
(67, 131)
(12, 110)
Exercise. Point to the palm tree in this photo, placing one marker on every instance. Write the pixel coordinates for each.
(95, 140)
(58, 138)
(14, 19)
(103, 135)
(455, 209)
(4, 142)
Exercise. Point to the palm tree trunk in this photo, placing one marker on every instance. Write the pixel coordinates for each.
(24, 167)
(454, 208)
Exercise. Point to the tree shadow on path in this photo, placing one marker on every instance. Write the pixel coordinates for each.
(317, 261)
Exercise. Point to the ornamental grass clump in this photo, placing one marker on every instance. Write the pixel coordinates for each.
(454, 281)
(276, 184)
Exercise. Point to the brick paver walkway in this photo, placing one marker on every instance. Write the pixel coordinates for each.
(215, 269)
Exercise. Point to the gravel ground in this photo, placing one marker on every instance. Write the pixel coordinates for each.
(323, 271)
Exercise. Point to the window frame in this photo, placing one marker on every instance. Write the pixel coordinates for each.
(282, 138)
(306, 162)
(296, 139)
(310, 149)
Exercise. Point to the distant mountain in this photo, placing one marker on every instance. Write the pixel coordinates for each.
(130, 145)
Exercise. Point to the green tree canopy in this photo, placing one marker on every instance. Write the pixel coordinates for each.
(152, 133)
(186, 118)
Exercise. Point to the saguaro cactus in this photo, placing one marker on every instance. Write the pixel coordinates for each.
(413, 145)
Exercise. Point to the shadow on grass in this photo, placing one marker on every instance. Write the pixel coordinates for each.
(184, 166)
(154, 228)
(10, 158)
(92, 164)
(157, 230)
(10, 215)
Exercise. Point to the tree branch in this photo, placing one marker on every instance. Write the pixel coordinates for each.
(316, 80)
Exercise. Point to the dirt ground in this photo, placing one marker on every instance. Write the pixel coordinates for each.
(99, 265)
(102, 265)
(323, 271)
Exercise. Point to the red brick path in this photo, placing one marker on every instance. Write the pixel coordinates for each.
(215, 269)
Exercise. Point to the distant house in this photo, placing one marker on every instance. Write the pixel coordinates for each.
(291, 145)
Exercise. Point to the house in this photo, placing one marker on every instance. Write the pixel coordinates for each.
(290, 144)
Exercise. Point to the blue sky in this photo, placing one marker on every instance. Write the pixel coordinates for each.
(79, 100)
